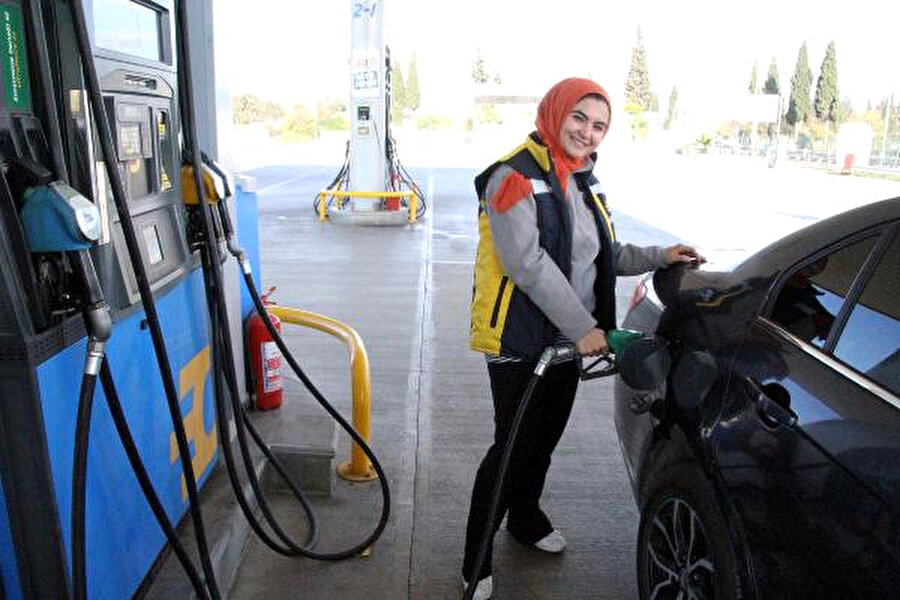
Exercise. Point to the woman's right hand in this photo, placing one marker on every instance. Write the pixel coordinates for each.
(593, 343)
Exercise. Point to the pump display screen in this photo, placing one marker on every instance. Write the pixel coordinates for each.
(130, 140)
(125, 26)
(153, 245)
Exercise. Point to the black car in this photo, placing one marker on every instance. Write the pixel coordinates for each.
(767, 465)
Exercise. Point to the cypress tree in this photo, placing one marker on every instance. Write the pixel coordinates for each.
(827, 103)
(412, 85)
(772, 86)
(673, 103)
(637, 86)
(799, 107)
(752, 87)
(479, 74)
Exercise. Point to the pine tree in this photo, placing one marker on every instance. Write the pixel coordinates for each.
(752, 88)
(799, 107)
(827, 103)
(637, 86)
(673, 103)
(479, 74)
(772, 86)
(412, 85)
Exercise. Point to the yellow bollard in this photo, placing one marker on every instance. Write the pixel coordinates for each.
(322, 206)
(358, 468)
(413, 207)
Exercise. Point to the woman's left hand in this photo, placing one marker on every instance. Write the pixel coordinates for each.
(681, 253)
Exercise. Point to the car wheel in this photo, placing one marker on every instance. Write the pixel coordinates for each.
(684, 549)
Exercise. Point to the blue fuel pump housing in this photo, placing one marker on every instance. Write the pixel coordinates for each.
(56, 218)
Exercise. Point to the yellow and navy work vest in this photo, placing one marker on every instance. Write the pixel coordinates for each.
(504, 320)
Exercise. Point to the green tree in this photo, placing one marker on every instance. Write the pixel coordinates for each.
(247, 108)
(753, 88)
(846, 109)
(827, 103)
(299, 126)
(673, 104)
(799, 108)
(772, 86)
(331, 115)
(479, 74)
(398, 93)
(413, 100)
(637, 85)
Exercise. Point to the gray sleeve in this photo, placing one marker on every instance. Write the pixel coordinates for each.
(515, 236)
(634, 260)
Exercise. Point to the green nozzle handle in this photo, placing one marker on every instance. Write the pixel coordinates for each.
(618, 339)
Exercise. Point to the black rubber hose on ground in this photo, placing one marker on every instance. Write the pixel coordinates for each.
(217, 331)
(382, 479)
(118, 192)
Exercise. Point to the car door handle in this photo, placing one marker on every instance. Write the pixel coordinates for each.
(772, 402)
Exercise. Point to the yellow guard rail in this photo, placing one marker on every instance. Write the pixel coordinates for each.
(413, 199)
(358, 468)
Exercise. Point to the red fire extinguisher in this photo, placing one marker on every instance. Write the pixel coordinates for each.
(265, 359)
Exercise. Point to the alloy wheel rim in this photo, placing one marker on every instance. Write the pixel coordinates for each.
(678, 555)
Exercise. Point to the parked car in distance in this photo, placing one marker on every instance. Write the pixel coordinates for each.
(768, 463)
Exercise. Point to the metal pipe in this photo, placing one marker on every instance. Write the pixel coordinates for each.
(358, 468)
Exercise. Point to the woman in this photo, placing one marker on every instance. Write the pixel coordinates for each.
(545, 273)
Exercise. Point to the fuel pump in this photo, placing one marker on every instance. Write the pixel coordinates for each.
(372, 185)
(51, 236)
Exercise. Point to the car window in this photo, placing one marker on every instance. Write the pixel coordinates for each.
(870, 342)
(812, 296)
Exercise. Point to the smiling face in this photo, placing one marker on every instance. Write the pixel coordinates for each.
(584, 127)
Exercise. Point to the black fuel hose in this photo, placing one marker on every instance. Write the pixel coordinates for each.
(146, 294)
(212, 267)
(79, 475)
(551, 355)
(137, 465)
(382, 479)
(219, 333)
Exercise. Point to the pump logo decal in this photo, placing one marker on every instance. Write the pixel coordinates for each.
(15, 68)
(192, 378)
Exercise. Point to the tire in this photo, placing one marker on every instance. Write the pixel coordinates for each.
(684, 549)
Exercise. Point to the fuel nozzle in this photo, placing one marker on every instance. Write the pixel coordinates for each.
(642, 360)
(603, 366)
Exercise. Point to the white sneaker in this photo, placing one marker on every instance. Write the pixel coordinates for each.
(553, 542)
(483, 590)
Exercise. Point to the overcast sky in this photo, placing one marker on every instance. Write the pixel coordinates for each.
(298, 50)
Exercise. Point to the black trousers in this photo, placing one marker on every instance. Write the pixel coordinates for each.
(541, 429)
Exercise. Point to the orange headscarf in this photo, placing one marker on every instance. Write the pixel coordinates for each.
(552, 111)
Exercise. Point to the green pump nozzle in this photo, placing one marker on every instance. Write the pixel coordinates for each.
(619, 339)
(604, 366)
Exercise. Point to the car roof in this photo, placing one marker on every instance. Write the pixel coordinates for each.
(805, 242)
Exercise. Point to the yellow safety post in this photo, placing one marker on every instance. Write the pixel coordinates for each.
(358, 468)
(413, 206)
(322, 206)
(413, 199)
